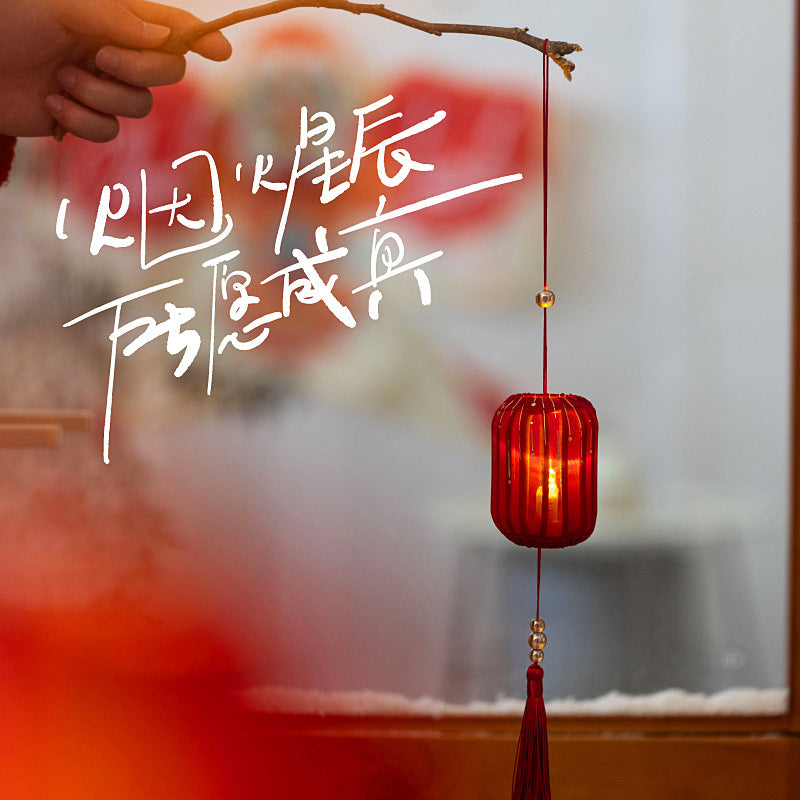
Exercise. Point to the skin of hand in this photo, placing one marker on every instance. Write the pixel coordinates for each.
(83, 63)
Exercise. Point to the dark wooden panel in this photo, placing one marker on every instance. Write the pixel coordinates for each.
(475, 763)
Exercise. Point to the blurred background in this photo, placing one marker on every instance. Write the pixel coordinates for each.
(325, 512)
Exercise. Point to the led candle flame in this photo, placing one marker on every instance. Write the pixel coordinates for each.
(553, 506)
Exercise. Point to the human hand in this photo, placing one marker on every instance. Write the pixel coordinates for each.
(83, 63)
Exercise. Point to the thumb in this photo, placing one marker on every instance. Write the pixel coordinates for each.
(113, 20)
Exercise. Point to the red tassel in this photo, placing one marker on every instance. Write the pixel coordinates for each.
(532, 770)
(6, 156)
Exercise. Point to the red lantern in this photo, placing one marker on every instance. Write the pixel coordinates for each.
(544, 469)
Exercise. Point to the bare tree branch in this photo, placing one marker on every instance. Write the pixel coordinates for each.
(180, 41)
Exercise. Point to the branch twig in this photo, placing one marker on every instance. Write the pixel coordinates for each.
(180, 41)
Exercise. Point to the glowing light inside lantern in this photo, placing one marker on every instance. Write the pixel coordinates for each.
(553, 506)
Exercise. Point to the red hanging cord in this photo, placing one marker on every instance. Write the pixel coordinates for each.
(545, 125)
(538, 578)
(544, 351)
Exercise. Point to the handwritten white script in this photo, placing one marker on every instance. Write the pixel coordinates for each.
(233, 285)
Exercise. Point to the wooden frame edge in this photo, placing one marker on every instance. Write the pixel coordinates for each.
(793, 721)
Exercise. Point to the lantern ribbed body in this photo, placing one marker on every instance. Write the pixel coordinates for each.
(544, 469)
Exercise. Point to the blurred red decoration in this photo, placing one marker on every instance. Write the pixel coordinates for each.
(544, 469)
